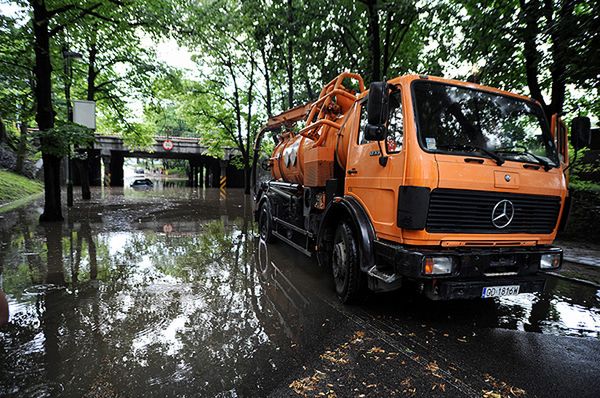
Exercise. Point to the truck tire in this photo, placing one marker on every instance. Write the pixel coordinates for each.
(265, 223)
(345, 265)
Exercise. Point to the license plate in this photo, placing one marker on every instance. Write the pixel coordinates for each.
(499, 291)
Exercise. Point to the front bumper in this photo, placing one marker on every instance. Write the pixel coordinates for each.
(472, 270)
(468, 289)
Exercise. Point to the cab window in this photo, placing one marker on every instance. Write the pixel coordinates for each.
(363, 123)
(395, 124)
(395, 135)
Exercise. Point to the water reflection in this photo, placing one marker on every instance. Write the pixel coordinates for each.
(3, 306)
(138, 311)
(177, 297)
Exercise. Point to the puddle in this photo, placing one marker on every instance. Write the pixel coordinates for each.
(169, 292)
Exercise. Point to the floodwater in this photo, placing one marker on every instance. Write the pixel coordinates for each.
(168, 292)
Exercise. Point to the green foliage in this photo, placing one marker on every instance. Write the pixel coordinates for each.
(193, 109)
(579, 169)
(138, 136)
(544, 49)
(60, 140)
(16, 64)
(252, 54)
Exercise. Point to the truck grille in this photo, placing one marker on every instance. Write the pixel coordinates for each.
(453, 210)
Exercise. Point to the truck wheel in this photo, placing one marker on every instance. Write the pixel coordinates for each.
(345, 265)
(265, 223)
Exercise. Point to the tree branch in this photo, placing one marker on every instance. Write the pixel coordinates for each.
(83, 13)
(60, 10)
(530, 52)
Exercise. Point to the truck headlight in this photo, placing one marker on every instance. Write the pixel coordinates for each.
(437, 265)
(550, 261)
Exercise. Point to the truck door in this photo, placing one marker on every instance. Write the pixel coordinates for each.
(373, 185)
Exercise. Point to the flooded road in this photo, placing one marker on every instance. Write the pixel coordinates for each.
(168, 292)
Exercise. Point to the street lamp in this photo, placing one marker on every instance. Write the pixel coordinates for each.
(68, 69)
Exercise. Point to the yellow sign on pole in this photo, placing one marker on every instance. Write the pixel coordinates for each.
(222, 189)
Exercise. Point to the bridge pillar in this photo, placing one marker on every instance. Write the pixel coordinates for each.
(191, 174)
(116, 169)
(207, 176)
(216, 174)
(95, 169)
(107, 176)
(201, 175)
(194, 176)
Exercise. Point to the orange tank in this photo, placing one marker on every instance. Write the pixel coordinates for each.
(308, 157)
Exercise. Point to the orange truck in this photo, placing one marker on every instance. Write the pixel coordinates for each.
(453, 188)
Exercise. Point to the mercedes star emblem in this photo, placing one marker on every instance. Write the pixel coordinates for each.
(503, 213)
(507, 177)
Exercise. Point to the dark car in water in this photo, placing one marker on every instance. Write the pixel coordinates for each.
(142, 183)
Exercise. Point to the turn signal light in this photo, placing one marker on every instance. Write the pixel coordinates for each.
(550, 261)
(437, 266)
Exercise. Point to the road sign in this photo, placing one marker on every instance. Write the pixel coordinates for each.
(168, 145)
(84, 113)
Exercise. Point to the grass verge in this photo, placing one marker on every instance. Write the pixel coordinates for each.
(14, 187)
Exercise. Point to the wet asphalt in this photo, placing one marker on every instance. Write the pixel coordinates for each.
(168, 292)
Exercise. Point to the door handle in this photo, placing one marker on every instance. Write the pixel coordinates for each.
(353, 171)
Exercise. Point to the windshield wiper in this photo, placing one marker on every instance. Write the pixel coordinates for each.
(524, 151)
(499, 159)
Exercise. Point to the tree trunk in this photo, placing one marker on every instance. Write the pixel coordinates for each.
(247, 167)
(45, 112)
(85, 177)
(3, 136)
(309, 91)
(22, 152)
(267, 76)
(531, 54)
(558, 69)
(386, 44)
(374, 41)
(290, 55)
(84, 165)
(247, 177)
(92, 73)
(52, 203)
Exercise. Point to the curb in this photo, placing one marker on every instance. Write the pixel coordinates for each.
(577, 280)
(577, 260)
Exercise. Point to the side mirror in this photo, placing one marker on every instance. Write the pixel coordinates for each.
(375, 132)
(581, 135)
(377, 111)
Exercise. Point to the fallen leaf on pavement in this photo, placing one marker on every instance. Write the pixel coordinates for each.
(377, 350)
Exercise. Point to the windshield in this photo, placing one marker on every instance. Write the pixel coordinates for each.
(455, 120)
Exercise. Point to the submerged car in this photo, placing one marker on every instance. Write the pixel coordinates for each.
(142, 183)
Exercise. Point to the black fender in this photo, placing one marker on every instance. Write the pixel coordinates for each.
(361, 225)
(260, 198)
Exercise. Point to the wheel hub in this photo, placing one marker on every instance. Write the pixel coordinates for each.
(339, 262)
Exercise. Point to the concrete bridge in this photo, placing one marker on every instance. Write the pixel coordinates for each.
(204, 170)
